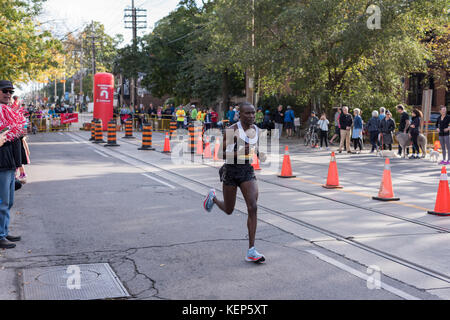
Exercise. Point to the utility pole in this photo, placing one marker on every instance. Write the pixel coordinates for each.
(250, 74)
(138, 21)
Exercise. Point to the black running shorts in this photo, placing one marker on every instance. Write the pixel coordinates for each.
(236, 174)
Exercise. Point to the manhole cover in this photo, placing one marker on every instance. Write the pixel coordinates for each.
(76, 282)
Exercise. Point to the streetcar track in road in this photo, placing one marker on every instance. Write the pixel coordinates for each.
(424, 224)
(348, 240)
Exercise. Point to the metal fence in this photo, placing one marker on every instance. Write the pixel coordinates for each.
(40, 124)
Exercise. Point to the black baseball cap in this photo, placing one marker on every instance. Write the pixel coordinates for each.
(5, 84)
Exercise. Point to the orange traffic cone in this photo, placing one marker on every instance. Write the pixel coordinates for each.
(255, 163)
(167, 144)
(200, 145)
(386, 191)
(333, 175)
(286, 170)
(207, 153)
(442, 207)
(216, 150)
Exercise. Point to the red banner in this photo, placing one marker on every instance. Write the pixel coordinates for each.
(69, 118)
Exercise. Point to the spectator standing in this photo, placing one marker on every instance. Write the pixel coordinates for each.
(289, 118)
(345, 122)
(267, 122)
(214, 118)
(404, 126)
(181, 114)
(194, 113)
(63, 108)
(357, 130)
(337, 128)
(230, 115)
(11, 159)
(414, 132)
(382, 114)
(278, 119)
(259, 118)
(125, 114)
(373, 126)
(387, 127)
(323, 126)
(442, 127)
(208, 120)
(159, 113)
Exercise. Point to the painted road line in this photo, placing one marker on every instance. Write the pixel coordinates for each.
(160, 181)
(101, 153)
(361, 275)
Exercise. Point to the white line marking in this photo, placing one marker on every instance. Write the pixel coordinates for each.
(157, 180)
(361, 275)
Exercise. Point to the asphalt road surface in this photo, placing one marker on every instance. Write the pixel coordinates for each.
(142, 214)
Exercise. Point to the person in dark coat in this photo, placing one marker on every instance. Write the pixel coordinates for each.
(373, 126)
(387, 127)
(414, 132)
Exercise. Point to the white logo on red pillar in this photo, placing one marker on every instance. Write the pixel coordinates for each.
(104, 93)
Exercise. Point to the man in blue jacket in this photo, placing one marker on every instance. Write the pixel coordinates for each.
(289, 118)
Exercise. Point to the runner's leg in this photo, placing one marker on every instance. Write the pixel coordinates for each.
(250, 192)
(229, 199)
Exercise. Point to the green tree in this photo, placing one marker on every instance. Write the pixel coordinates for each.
(324, 49)
(25, 49)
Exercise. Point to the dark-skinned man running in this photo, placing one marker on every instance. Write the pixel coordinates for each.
(240, 144)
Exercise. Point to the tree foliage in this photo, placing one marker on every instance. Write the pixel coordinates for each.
(25, 50)
(325, 49)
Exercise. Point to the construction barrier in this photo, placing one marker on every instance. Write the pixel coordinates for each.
(442, 207)
(333, 175)
(173, 129)
(99, 132)
(286, 170)
(255, 164)
(147, 138)
(216, 149)
(93, 126)
(207, 152)
(167, 148)
(112, 134)
(191, 145)
(386, 190)
(129, 130)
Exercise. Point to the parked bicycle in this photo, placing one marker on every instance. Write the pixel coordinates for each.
(312, 137)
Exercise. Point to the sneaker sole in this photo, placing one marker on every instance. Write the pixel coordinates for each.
(204, 204)
(260, 260)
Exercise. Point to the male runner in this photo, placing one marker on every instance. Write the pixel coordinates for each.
(238, 150)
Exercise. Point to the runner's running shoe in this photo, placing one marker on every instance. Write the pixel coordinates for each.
(208, 204)
(254, 256)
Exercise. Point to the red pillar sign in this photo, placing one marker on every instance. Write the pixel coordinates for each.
(104, 98)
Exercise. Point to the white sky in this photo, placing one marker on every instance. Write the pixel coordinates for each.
(71, 15)
(66, 16)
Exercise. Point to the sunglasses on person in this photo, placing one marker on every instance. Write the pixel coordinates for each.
(6, 91)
